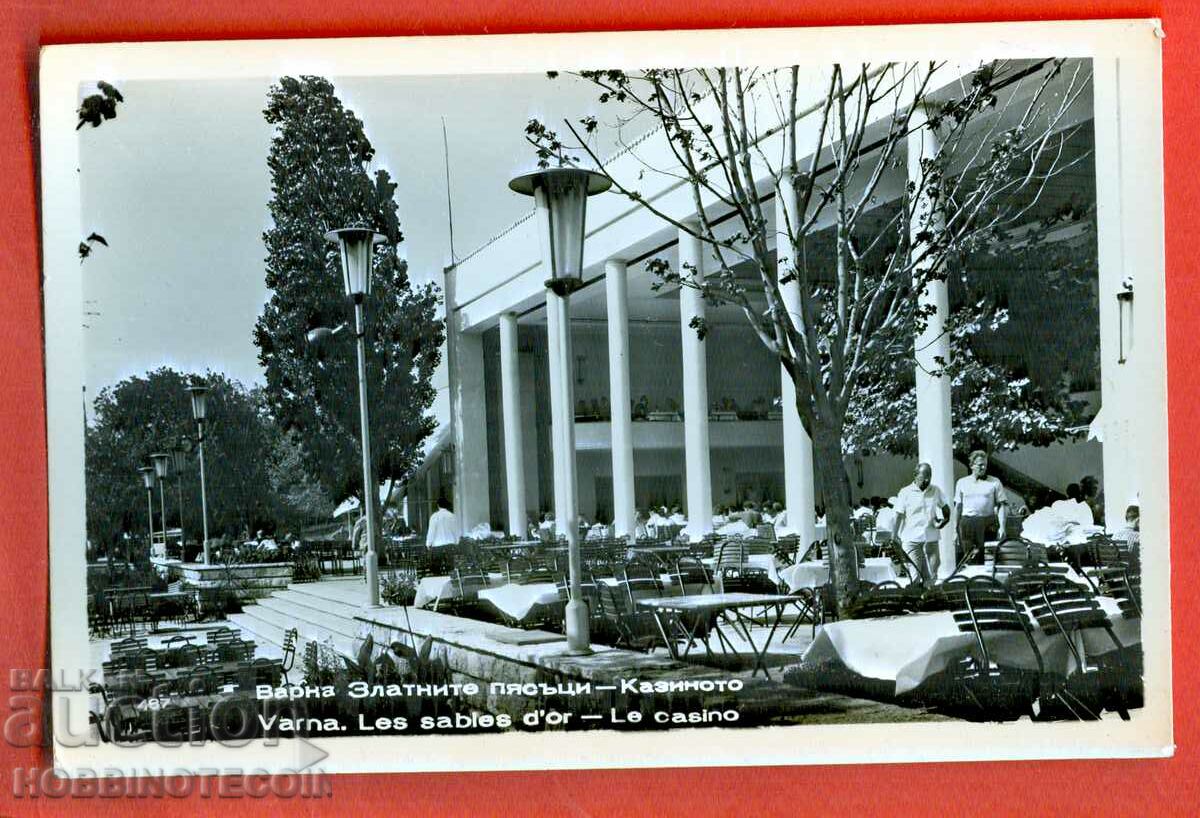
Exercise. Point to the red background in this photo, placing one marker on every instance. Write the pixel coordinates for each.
(1026, 788)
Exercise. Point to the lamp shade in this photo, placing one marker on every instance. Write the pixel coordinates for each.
(199, 395)
(162, 464)
(148, 478)
(560, 197)
(178, 460)
(356, 245)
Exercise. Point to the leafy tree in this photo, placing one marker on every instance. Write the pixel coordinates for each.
(996, 406)
(733, 136)
(297, 491)
(99, 107)
(150, 413)
(319, 161)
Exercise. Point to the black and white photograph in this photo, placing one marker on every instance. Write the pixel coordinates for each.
(470, 403)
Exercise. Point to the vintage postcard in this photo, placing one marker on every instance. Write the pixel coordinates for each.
(607, 400)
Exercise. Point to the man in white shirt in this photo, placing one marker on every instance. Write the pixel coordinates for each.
(981, 506)
(921, 511)
(443, 526)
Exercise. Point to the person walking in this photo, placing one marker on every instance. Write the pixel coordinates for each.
(981, 507)
(921, 512)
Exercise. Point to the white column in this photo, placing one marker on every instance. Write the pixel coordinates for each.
(616, 288)
(514, 446)
(935, 444)
(468, 416)
(798, 483)
(562, 412)
(695, 392)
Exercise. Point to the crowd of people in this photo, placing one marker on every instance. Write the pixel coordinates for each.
(978, 505)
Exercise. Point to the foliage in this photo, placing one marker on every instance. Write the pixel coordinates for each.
(151, 413)
(85, 246)
(95, 109)
(995, 406)
(319, 163)
(305, 567)
(398, 589)
(298, 492)
(99, 107)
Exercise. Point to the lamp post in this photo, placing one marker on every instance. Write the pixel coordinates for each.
(560, 199)
(199, 393)
(148, 480)
(162, 469)
(356, 245)
(178, 464)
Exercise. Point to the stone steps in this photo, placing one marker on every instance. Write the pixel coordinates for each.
(302, 615)
(321, 599)
(270, 624)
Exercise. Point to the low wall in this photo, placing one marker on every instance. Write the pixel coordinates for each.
(485, 653)
(252, 580)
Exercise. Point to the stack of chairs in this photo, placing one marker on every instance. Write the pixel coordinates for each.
(692, 577)
(128, 608)
(1124, 584)
(135, 673)
(1063, 608)
(1013, 554)
(883, 599)
(785, 550)
(983, 606)
(635, 628)
(529, 570)
(469, 580)
(703, 548)
(224, 645)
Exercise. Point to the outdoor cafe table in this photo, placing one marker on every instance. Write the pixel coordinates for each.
(912, 648)
(815, 573)
(438, 589)
(765, 561)
(516, 602)
(727, 608)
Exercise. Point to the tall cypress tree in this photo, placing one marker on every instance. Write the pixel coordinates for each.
(321, 179)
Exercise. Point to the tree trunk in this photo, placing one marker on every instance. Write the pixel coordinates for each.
(843, 561)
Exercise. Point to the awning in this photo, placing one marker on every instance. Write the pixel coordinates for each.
(351, 503)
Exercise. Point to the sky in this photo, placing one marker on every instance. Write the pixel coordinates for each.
(178, 186)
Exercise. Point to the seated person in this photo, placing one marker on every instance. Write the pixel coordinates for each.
(1131, 531)
(750, 515)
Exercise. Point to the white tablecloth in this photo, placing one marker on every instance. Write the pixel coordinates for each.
(815, 573)
(766, 561)
(433, 590)
(909, 649)
(517, 601)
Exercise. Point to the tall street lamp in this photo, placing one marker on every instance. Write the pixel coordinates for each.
(356, 245)
(199, 393)
(148, 480)
(162, 469)
(178, 464)
(560, 198)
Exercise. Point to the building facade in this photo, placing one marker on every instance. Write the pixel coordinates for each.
(664, 417)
